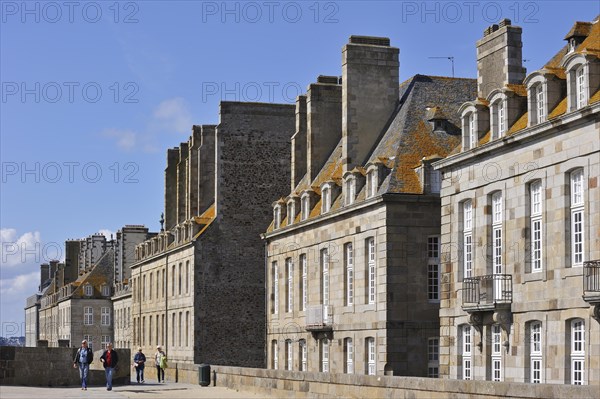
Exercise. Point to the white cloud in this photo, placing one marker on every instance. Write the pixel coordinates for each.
(174, 115)
(108, 233)
(20, 286)
(24, 249)
(126, 139)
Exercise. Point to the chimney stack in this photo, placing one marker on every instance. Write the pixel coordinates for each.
(299, 144)
(499, 58)
(370, 90)
(206, 168)
(171, 188)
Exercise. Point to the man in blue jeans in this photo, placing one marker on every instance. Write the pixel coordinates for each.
(109, 359)
(83, 358)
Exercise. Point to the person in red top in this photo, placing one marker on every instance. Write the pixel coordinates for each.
(109, 359)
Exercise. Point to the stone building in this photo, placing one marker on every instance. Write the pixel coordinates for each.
(198, 286)
(353, 249)
(521, 218)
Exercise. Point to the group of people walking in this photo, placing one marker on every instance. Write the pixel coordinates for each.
(110, 359)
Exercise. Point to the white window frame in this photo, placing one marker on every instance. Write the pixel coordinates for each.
(467, 348)
(326, 198)
(304, 281)
(289, 359)
(536, 208)
(578, 352)
(305, 207)
(291, 211)
(580, 85)
(372, 183)
(349, 260)
(371, 270)
(496, 353)
(349, 358)
(90, 340)
(497, 219)
(498, 122)
(468, 238)
(88, 315)
(275, 355)
(324, 258)
(433, 268)
(89, 290)
(577, 217)
(350, 190)
(289, 267)
(303, 355)
(105, 316)
(275, 287)
(276, 217)
(324, 352)
(371, 356)
(105, 290)
(535, 353)
(105, 339)
(540, 102)
(433, 357)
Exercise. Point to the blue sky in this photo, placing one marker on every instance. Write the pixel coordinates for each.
(93, 93)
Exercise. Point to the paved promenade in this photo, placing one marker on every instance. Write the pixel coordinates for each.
(148, 390)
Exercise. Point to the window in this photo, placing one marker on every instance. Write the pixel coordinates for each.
(289, 302)
(371, 269)
(179, 341)
(349, 356)
(150, 330)
(540, 106)
(433, 268)
(89, 290)
(151, 284)
(535, 194)
(466, 353)
(325, 199)
(105, 339)
(187, 277)
(289, 365)
(105, 316)
(88, 316)
(435, 180)
(275, 287)
(291, 212)
(187, 328)
(305, 207)
(350, 190)
(498, 123)
(163, 282)
(172, 328)
(577, 220)
(303, 355)
(105, 290)
(370, 345)
(372, 183)
(274, 355)
(324, 277)
(535, 352)
(324, 352)
(468, 238)
(303, 281)
(577, 352)
(173, 280)
(580, 87)
(180, 276)
(496, 353)
(433, 357)
(349, 261)
(276, 217)
(89, 340)
(469, 135)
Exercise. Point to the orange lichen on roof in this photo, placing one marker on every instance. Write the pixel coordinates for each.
(595, 98)
(556, 61)
(421, 144)
(558, 72)
(486, 138)
(482, 101)
(560, 109)
(579, 29)
(520, 124)
(332, 170)
(592, 41)
(519, 90)
(207, 216)
(316, 211)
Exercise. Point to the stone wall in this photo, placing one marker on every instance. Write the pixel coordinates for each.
(295, 384)
(51, 367)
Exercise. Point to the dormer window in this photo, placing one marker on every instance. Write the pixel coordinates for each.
(277, 217)
(350, 190)
(325, 198)
(305, 207)
(372, 183)
(580, 87)
(470, 134)
(88, 290)
(291, 211)
(498, 119)
(538, 109)
(105, 290)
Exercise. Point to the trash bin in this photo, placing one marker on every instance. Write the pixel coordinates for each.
(204, 375)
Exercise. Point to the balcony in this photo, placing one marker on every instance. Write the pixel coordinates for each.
(319, 318)
(591, 286)
(485, 293)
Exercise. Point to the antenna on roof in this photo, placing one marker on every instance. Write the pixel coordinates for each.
(448, 58)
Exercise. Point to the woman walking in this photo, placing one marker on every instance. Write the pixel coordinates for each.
(160, 360)
(139, 361)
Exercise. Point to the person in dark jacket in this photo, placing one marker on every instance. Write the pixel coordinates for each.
(83, 358)
(109, 360)
(139, 361)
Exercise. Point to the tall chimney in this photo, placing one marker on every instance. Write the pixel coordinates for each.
(299, 144)
(499, 58)
(171, 188)
(324, 122)
(182, 172)
(44, 274)
(370, 90)
(192, 177)
(206, 168)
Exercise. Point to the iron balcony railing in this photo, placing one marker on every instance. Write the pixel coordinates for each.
(591, 280)
(487, 291)
(319, 317)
